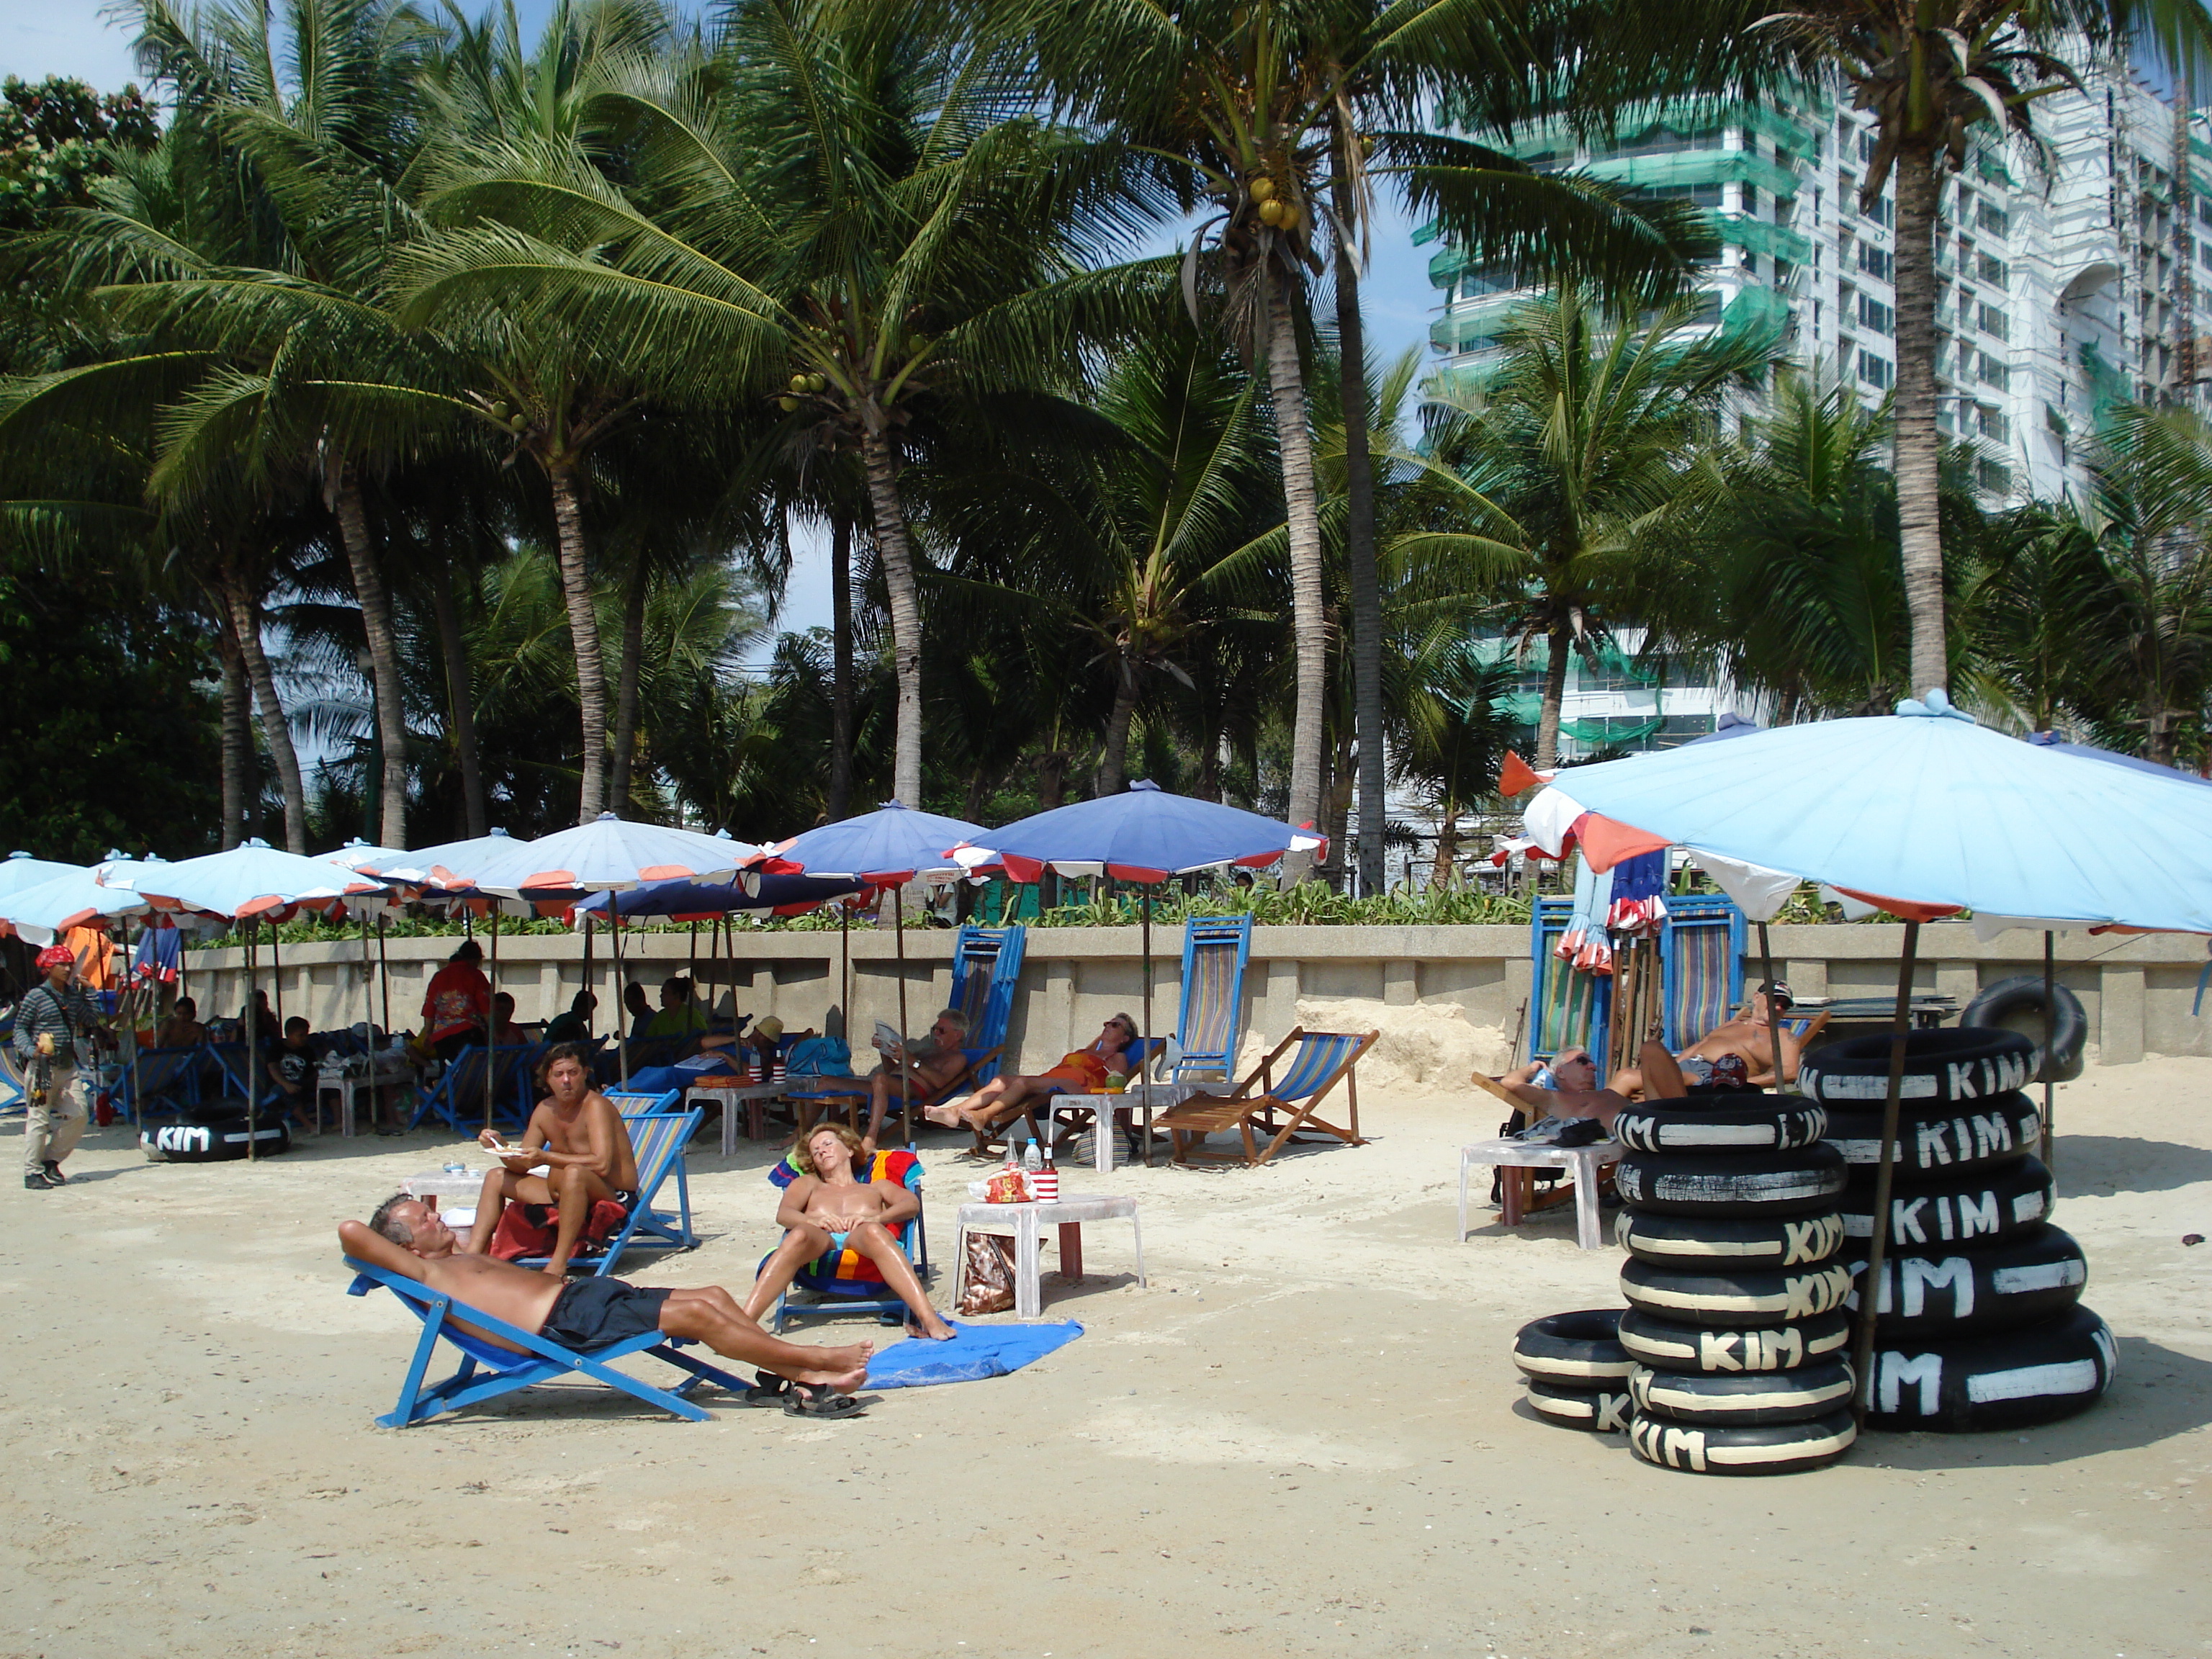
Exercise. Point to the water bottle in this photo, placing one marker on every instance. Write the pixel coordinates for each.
(1031, 1160)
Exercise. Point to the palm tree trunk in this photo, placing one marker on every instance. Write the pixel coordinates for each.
(237, 736)
(626, 684)
(841, 665)
(897, 554)
(1558, 644)
(1286, 386)
(584, 634)
(246, 623)
(1918, 446)
(1359, 546)
(383, 655)
(1440, 874)
(1114, 761)
(461, 697)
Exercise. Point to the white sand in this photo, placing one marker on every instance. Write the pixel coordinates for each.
(1301, 1439)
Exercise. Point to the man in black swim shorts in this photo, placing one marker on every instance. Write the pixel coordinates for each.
(598, 1313)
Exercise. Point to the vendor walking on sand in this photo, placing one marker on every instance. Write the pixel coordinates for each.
(56, 1030)
(827, 1209)
(577, 1133)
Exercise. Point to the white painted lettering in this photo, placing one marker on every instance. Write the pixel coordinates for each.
(1977, 1213)
(1922, 1275)
(1716, 1350)
(1904, 1221)
(1899, 1373)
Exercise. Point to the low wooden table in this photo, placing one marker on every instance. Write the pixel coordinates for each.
(1515, 1159)
(1026, 1222)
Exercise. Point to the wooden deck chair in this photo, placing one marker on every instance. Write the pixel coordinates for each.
(986, 965)
(658, 1140)
(1531, 1189)
(1069, 1121)
(488, 1370)
(1279, 1109)
(1209, 1020)
(845, 1281)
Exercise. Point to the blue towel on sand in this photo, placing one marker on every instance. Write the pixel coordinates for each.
(978, 1352)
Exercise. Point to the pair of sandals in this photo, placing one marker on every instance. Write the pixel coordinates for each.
(801, 1399)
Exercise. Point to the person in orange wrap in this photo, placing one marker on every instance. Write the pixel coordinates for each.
(1084, 1071)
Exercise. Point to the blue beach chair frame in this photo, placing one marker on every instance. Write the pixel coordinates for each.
(1210, 1017)
(851, 1295)
(503, 1372)
(986, 965)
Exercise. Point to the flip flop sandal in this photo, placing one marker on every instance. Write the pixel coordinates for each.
(767, 1389)
(817, 1400)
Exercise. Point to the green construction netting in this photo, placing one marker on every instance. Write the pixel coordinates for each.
(1756, 310)
(2108, 387)
(1759, 236)
(1697, 167)
(1476, 323)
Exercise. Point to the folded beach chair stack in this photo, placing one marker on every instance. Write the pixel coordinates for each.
(1735, 1287)
(1979, 1324)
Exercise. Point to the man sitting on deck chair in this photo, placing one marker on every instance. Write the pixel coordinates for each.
(929, 1066)
(827, 1209)
(407, 1237)
(1739, 1054)
(577, 1132)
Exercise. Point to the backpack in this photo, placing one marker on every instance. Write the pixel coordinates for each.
(819, 1057)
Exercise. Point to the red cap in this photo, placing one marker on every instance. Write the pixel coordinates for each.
(56, 956)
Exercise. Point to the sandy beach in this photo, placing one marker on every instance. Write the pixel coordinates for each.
(1303, 1437)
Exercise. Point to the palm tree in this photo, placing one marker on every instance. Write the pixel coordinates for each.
(1448, 732)
(1929, 71)
(863, 221)
(1550, 486)
(1274, 115)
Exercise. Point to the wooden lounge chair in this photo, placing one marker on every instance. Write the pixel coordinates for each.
(829, 1096)
(1523, 1189)
(1280, 1109)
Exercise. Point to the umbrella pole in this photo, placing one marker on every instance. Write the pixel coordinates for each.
(1143, 1098)
(130, 990)
(252, 1070)
(384, 977)
(585, 983)
(491, 1019)
(1884, 1180)
(276, 971)
(906, 1087)
(622, 1027)
(844, 972)
(694, 964)
(2049, 1037)
(1773, 1014)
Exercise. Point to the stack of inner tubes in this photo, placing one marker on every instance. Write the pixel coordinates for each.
(1734, 1285)
(1978, 1324)
(1576, 1369)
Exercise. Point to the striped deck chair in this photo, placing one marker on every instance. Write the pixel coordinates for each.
(1210, 1020)
(845, 1281)
(1281, 1107)
(1700, 966)
(987, 964)
(829, 1096)
(1567, 1008)
(166, 1082)
(488, 1370)
(658, 1140)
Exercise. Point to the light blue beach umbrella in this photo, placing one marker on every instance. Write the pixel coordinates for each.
(20, 870)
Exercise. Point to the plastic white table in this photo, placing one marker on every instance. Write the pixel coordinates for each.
(734, 1100)
(1588, 1163)
(1144, 1098)
(1027, 1222)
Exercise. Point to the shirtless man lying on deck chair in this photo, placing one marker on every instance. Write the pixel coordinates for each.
(825, 1209)
(1570, 1097)
(1739, 1054)
(406, 1237)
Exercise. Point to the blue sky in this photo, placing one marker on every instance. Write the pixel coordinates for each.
(38, 38)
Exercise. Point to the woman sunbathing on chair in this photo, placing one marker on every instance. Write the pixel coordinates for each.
(1004, 1098)
(826, 1209)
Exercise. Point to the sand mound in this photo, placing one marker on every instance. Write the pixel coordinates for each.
(1425, 1048)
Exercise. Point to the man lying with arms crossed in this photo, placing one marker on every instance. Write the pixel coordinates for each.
(406, 1237)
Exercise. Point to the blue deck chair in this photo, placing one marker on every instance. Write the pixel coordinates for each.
(1066, 1121)
(658, 1140)
(987, 964)
(642, 1102)
(488, 1371)
(1278, 1108)
(457, 1096)
(1700, 966)
(1210, 1020)
(1567, 1007)
(645, 1053)
(829, 1095)
(843, 1281)
(11, 1072)
(167, 1081)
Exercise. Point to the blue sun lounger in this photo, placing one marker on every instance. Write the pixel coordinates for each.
(658, 1140)
(488, 1370)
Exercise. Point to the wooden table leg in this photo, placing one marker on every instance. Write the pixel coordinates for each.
(1514, 1186)
(1070, 1251)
